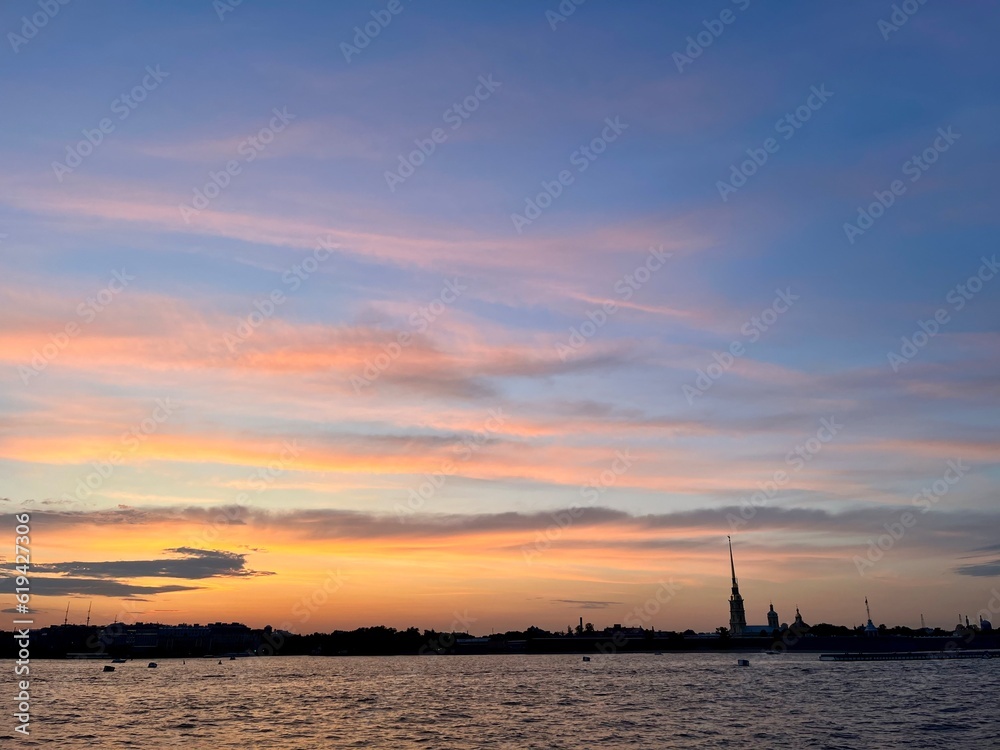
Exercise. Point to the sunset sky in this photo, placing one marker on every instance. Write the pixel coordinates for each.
(501, 316)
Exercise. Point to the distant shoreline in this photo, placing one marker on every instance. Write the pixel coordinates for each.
(233, 640)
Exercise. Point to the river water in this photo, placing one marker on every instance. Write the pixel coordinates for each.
(619, 701)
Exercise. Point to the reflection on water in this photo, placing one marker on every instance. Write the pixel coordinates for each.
(624, 701)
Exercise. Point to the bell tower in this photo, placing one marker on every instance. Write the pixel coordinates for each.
(737, 615)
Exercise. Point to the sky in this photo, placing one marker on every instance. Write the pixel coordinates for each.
(479, 316)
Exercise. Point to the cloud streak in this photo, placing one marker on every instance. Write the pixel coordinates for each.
(189, 563)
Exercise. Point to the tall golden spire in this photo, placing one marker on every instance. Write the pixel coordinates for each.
(732, 565)
(737, 614)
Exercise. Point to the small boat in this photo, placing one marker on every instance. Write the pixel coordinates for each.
(119, 661)
(151, 665)
(586, 658)
(658, 653)
(232, 658)
(743, 662)
(108, 668)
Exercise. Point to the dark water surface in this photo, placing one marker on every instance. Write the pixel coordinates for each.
(626, 701)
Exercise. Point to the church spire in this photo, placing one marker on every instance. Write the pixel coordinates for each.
(737, 615)
(732, 565)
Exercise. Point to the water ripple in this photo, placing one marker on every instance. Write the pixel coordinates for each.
(690, 701)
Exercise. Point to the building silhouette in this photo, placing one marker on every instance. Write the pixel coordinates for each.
(772, 625)
(870, 630)
(737, 615)
(737, 612)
